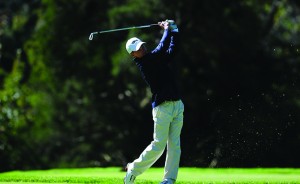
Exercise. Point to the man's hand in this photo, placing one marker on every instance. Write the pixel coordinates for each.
(164, 25)
(172, 25)
(168, 24)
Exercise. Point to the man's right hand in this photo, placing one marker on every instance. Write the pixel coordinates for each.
(164, 24)
(169, 24)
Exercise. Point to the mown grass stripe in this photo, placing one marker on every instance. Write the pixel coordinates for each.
(114, 175)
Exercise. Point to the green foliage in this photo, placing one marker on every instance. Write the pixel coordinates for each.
(25, 114)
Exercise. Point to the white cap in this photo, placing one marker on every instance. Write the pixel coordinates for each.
(133, 44)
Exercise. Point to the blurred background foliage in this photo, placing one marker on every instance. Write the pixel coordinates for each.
(66, 101)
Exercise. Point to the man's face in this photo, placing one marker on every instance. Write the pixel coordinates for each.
(139, 53)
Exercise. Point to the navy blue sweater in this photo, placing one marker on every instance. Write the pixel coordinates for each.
(155, 70)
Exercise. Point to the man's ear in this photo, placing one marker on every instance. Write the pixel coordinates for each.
(144, 47)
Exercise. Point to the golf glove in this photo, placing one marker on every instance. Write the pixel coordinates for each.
(172, 26)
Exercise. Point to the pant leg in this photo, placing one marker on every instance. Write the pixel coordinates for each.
(173, 145)
(162, 118)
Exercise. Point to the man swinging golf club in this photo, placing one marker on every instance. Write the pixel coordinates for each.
(167, 107)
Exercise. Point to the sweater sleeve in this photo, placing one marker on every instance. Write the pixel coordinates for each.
(167, 43)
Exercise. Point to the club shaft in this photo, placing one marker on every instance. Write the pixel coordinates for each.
(120, 29)
(126, 28)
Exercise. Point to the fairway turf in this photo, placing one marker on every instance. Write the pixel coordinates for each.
(114, 175)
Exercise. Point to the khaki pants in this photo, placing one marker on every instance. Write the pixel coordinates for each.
(168, 121)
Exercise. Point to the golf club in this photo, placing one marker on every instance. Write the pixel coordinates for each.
(120, 29)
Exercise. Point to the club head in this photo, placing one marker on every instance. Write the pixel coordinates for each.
(91, 36)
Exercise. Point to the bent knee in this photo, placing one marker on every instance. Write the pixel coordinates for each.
(159, 145)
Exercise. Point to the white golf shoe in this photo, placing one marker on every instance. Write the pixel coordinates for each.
(129, 178)
(167, 181)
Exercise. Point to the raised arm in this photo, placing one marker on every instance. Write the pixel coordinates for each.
(169, 39)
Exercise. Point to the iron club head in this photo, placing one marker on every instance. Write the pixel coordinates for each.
(92, 35)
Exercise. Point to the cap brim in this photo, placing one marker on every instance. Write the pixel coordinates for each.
(138, 46)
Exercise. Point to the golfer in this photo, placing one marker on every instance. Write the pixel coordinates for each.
(167, 107)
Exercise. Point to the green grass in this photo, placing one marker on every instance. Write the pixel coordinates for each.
(114, 175)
